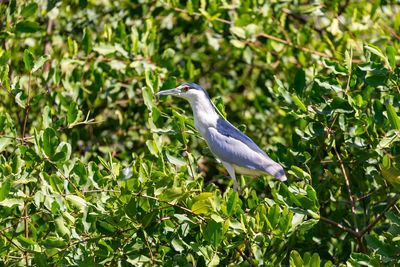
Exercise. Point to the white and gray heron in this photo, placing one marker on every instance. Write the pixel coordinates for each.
(237, 152)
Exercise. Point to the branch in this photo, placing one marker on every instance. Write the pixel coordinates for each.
(47, 44)
(371, 225)
(343, 8)
(340, 226)
(353, 211)
(266, 36)
(187, 152)
(10, 240)
(301, 19)
(249, 260)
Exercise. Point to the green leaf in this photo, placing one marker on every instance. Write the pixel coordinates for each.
(5, 189)
(27, 27)
(104, 227)
(391, 55)
(202, 204)
(148, 219)
(299, 103)
(72, 115)
(61, 229)
(315, 260)
(26, 241)
(172, 194)
(299, 81)
(376, 51)
(328, 83)
(295, 259)
(273, 215)
(53, 243)
(87, 42)
(4, 142)
(214, 232)
(177, 244)
(239, 32)
(285, 220)
(49, 142)
(148, 97)
(40, 260)
(393, 118)
(237, 43)
(231, 205)
(29, 60)
(189, 7)
(335, 67)
(76, 202)
(29, 10)
(39, 63)
(391, 174)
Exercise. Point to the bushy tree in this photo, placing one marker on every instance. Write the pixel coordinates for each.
(94, 170)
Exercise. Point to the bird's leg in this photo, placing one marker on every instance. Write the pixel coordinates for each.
(231, 172)
(248, 184)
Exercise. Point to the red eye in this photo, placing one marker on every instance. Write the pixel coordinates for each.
(187, 88)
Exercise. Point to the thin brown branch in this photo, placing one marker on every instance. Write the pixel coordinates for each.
(10, 240)
(187, 153)
(294, 45)
(249, 260)
(47, 44)
(374, 222)
(343, 8)
(199, 14)
(348, 188)
(353, 210)
(302, 19)
(26, 227)
(62, 174)
(27, 107)
(171, 204)
(340, 226)
(148, 246)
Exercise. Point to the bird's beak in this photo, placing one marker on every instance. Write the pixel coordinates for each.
(174, 91)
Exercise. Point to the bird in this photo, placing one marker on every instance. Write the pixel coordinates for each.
(236, 151)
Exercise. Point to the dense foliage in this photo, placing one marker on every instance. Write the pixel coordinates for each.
(95, 170)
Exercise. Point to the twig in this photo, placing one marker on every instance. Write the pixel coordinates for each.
(340, 226)
(27, 107)
(249, 260)
(348, 80)
(343, 8)
(26, 227)
(353, 210)
(199, 14)
(10, 240)
(171, 204)
(294, 45)
(301, 19)
(187, 153)
(266, 36)
(148, 246)
(47, 44)
(62, 174)
(374, 222)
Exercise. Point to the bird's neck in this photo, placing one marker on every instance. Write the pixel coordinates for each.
(204, 114)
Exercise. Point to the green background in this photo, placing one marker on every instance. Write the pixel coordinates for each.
(94, 170)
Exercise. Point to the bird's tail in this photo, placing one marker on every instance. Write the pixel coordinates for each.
(278, 172)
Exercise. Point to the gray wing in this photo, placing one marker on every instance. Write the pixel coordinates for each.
(233, 146)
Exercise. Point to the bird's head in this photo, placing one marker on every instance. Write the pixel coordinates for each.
(188, 91)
